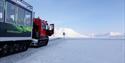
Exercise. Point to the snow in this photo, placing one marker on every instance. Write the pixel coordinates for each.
(73, 51)
(70, 33)
(110, 35)
(115, 33)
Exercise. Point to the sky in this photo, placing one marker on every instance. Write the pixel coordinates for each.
(84, 16)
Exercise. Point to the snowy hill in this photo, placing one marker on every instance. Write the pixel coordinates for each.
(70, 33)
(111, 35)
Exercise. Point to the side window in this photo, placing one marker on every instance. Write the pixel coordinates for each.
(1, 10)
(43, 26)
(21, 16)
(28, 18)
(47, 27)
(10, 13)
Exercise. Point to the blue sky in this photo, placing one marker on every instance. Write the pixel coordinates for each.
(84, 16)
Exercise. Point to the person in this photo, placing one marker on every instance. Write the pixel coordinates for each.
(64, 34)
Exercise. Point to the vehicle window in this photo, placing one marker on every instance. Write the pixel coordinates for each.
(1, 10)
(28, 18)
(10, 13)
(43, 26)
(47, 27)
(21, 16)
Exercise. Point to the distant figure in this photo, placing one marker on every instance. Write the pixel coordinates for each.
(64, 34)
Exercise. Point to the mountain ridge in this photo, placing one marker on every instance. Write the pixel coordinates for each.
(70, 33)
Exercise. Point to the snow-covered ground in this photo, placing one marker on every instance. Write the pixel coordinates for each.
(73, 51)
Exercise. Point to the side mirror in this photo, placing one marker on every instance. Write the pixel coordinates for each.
(51, 29)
